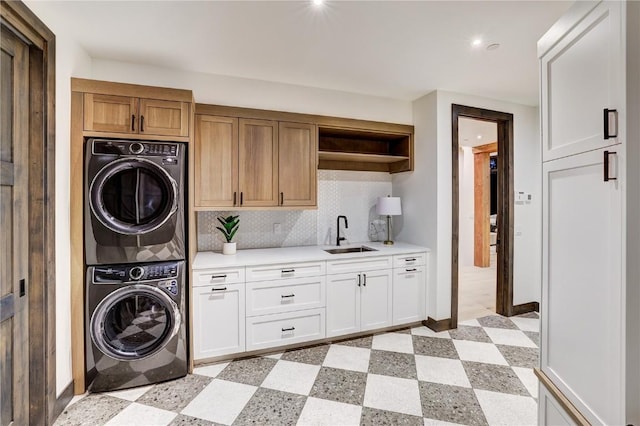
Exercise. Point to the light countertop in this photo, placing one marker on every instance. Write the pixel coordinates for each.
(267, 256)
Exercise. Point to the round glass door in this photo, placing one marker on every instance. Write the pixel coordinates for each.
(133, 196)
(134, 322)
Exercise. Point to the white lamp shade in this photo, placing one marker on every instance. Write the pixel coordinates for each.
(389, 206)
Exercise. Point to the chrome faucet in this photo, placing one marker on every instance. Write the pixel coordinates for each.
(346, 225)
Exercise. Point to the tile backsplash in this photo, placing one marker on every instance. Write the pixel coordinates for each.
(348, 193)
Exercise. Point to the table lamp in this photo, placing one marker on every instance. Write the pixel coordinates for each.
(389, 206)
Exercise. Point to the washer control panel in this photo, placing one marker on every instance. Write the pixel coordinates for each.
(118, 147)
(116, 274)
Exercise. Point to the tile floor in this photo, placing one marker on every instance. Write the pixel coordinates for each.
(477, 289)
(478, 374)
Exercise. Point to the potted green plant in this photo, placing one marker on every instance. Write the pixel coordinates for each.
(230, 225)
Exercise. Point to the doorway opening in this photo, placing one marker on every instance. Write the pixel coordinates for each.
(477, 237)
(484, 229)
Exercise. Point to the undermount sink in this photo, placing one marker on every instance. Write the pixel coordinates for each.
(360, 249)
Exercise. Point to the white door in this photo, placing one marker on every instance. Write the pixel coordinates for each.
(375, 299)
(581, 75)
(408, 295)
(582, 295)
(218, 320)
(343, 304)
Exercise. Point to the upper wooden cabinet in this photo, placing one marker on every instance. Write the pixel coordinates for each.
(297, 164)
(124, 114)
(248, 163)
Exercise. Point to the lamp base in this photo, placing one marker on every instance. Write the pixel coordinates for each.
(388, 242)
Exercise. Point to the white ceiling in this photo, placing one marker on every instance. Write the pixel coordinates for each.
(473, 132)
(393, 49)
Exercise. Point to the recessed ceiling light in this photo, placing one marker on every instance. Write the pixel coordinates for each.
(317, 2)
(476, 42)
(479, 136)
(493, 46)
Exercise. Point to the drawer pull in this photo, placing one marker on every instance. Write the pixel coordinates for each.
(288, 271)
(213, 277)
(284, 296)
(410, 260)
(288, 329)
(219, 289)
(411, 270)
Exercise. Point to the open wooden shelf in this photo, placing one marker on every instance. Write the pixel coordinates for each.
(360, 157)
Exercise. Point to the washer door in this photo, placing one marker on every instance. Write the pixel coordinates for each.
(134, 322)
(133, 196)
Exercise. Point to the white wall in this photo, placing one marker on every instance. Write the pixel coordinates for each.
(71, 60)
(429, 189)
(467, 207)
(236, 91)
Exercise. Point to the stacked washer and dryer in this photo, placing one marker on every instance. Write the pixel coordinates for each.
(135, 284)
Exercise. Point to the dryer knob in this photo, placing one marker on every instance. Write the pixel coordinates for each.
(136, 272)
(136, 148)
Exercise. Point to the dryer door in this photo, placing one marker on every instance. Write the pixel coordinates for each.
(134, 322)
(133, 196)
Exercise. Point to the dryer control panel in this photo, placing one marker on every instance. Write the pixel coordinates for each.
(115, 274)
(122, 147)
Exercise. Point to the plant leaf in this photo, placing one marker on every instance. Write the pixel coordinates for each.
(233, 233)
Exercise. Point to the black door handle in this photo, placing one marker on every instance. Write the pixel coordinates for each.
(606, 166)
(23, 287)
(607, 114)
(133, 123)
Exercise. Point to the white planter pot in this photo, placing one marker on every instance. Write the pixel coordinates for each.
(228, 248)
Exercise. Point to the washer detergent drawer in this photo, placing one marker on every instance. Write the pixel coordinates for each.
(268, 331)
(270, 297)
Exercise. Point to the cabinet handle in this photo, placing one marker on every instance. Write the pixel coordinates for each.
(607, 116)
(288, 329)
(142, 123)
(219, 289)
(284, 296)
(241, 198)
(213, 277)
(364, 280)
(133, 123)
(281, 198)
(235, 196)
(410, 260)
(359, 280)
(288, 271)
(411, 270)
(606, 166)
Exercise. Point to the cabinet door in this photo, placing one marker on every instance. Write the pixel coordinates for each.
(258, 163)
(408, 295)
(218, 320)
(581, 75)
(375, 300)
(297, 164)
(216, 161)
(550, 411)
(164, 118)
(582, 305)
(343, 304)
(108, 113)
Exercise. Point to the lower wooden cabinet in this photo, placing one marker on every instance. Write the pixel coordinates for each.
(358, 302)
(219, 320)
(408, 294)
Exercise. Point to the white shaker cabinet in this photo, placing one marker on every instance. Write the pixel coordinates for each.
(586, 350)
(408, 294)
(219, 320)
(358, 300)
(582, 74)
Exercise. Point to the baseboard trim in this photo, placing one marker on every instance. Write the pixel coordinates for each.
(525, 308)
(61, 402)
(439, 325)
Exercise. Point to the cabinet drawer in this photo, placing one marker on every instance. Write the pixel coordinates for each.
(283, 329)
(359, 264)
(218, 276)
(402, 260)
(285, 270)
(270, 297)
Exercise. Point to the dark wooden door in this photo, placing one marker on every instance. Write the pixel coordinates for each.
(14, 231)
